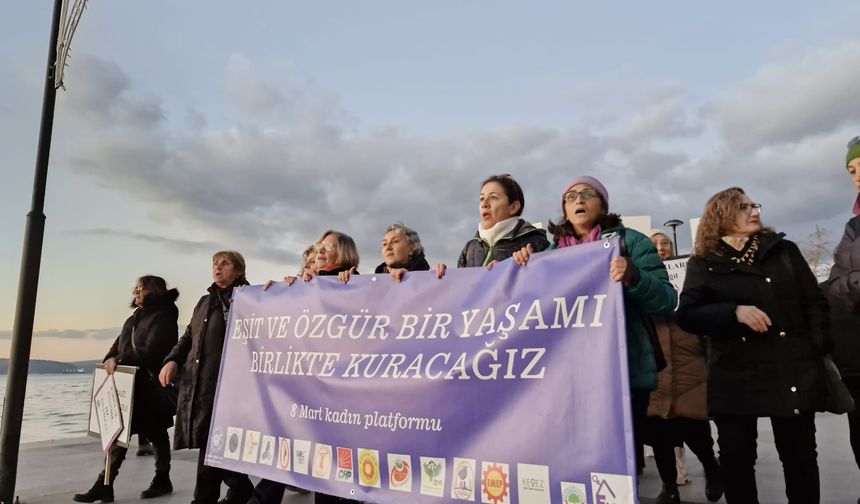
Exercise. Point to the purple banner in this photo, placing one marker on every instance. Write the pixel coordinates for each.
(498, 386)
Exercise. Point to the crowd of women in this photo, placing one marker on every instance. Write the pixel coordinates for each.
(747, 340)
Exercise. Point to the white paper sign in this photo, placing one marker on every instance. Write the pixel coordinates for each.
(677, 270)
(108, 412)
(124, 383)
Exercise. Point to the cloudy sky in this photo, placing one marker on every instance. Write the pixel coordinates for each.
(193, 126)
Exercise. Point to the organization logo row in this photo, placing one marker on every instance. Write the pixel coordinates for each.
(493, 483)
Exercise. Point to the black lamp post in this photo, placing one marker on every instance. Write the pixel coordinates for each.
(674, 223)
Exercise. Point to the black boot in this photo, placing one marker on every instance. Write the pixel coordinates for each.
(160, 485)
(669, 495)
(714, 487)
(99, 492)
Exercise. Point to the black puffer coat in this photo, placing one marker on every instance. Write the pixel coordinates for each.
(479, 253)
(146, 338)
(198, 354)
(843, 293)
(416, 263)
(776, 373)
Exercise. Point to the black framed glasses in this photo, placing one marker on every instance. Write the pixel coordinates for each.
(749, 207)
(137, 290)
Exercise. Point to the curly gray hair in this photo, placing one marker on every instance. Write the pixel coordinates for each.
(411, 235)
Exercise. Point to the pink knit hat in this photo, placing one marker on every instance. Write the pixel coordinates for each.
(593, 182)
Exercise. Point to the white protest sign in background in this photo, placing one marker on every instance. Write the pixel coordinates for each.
(677, 269)
(124, 383)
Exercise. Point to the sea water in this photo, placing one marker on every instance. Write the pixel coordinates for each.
(56, 406)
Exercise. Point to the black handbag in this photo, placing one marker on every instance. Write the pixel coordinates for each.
(839, 399)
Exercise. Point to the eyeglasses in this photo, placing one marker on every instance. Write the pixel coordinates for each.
(749, 207)
(327, 246)
(137, 290)
(585, 194)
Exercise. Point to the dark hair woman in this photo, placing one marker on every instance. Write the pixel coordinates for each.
(146, 338)
(501, 231)
(843, 293)
(752, 293)
(647, 291)
(198, 353)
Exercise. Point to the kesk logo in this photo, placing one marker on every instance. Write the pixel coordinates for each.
(368, 467)
(322, 461)
(463, 479)
(285, 454)
(495, 486)
(533, 484)
(400, 472)
(573, 493)
(433, 476)
(344, 465)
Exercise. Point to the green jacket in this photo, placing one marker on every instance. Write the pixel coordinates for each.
(651, 294)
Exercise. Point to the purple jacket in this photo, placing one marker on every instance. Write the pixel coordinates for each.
(843, 293)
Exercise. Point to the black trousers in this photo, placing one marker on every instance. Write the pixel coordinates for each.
(160, 448)
(271, 492)
(208, 487)
(795, 443)
(853, 384)
(639, 411)
(666, 434)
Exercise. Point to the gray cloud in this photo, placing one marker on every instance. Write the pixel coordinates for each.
(786, 101)
(107, 333)
(270, 186)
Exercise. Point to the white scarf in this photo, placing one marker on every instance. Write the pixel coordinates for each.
(501, 228)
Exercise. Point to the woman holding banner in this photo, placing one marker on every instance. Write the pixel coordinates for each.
(677, 410)
(843, 293)
(198, 355)
(647, 291)
(501, 231)
(146, 338)
(752, 293)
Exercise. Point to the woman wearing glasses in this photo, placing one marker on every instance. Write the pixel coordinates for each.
(752, 294)
(198, 355)
(501, 231)
(647, 291)
(146, 338)
(843, 293)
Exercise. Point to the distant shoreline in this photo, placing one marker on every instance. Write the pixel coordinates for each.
(46, 367)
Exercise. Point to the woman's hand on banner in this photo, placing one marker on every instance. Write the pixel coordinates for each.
(522, 255)
(110, 366)
(440, 270)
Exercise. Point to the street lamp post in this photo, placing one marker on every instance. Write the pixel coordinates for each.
(674, 223)
(22, 332)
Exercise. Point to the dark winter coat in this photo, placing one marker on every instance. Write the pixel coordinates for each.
(478, 253)
(198, 355)
(776, 373)
(416, 263)
(682, 384)
(843, 293)
(146, 338)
